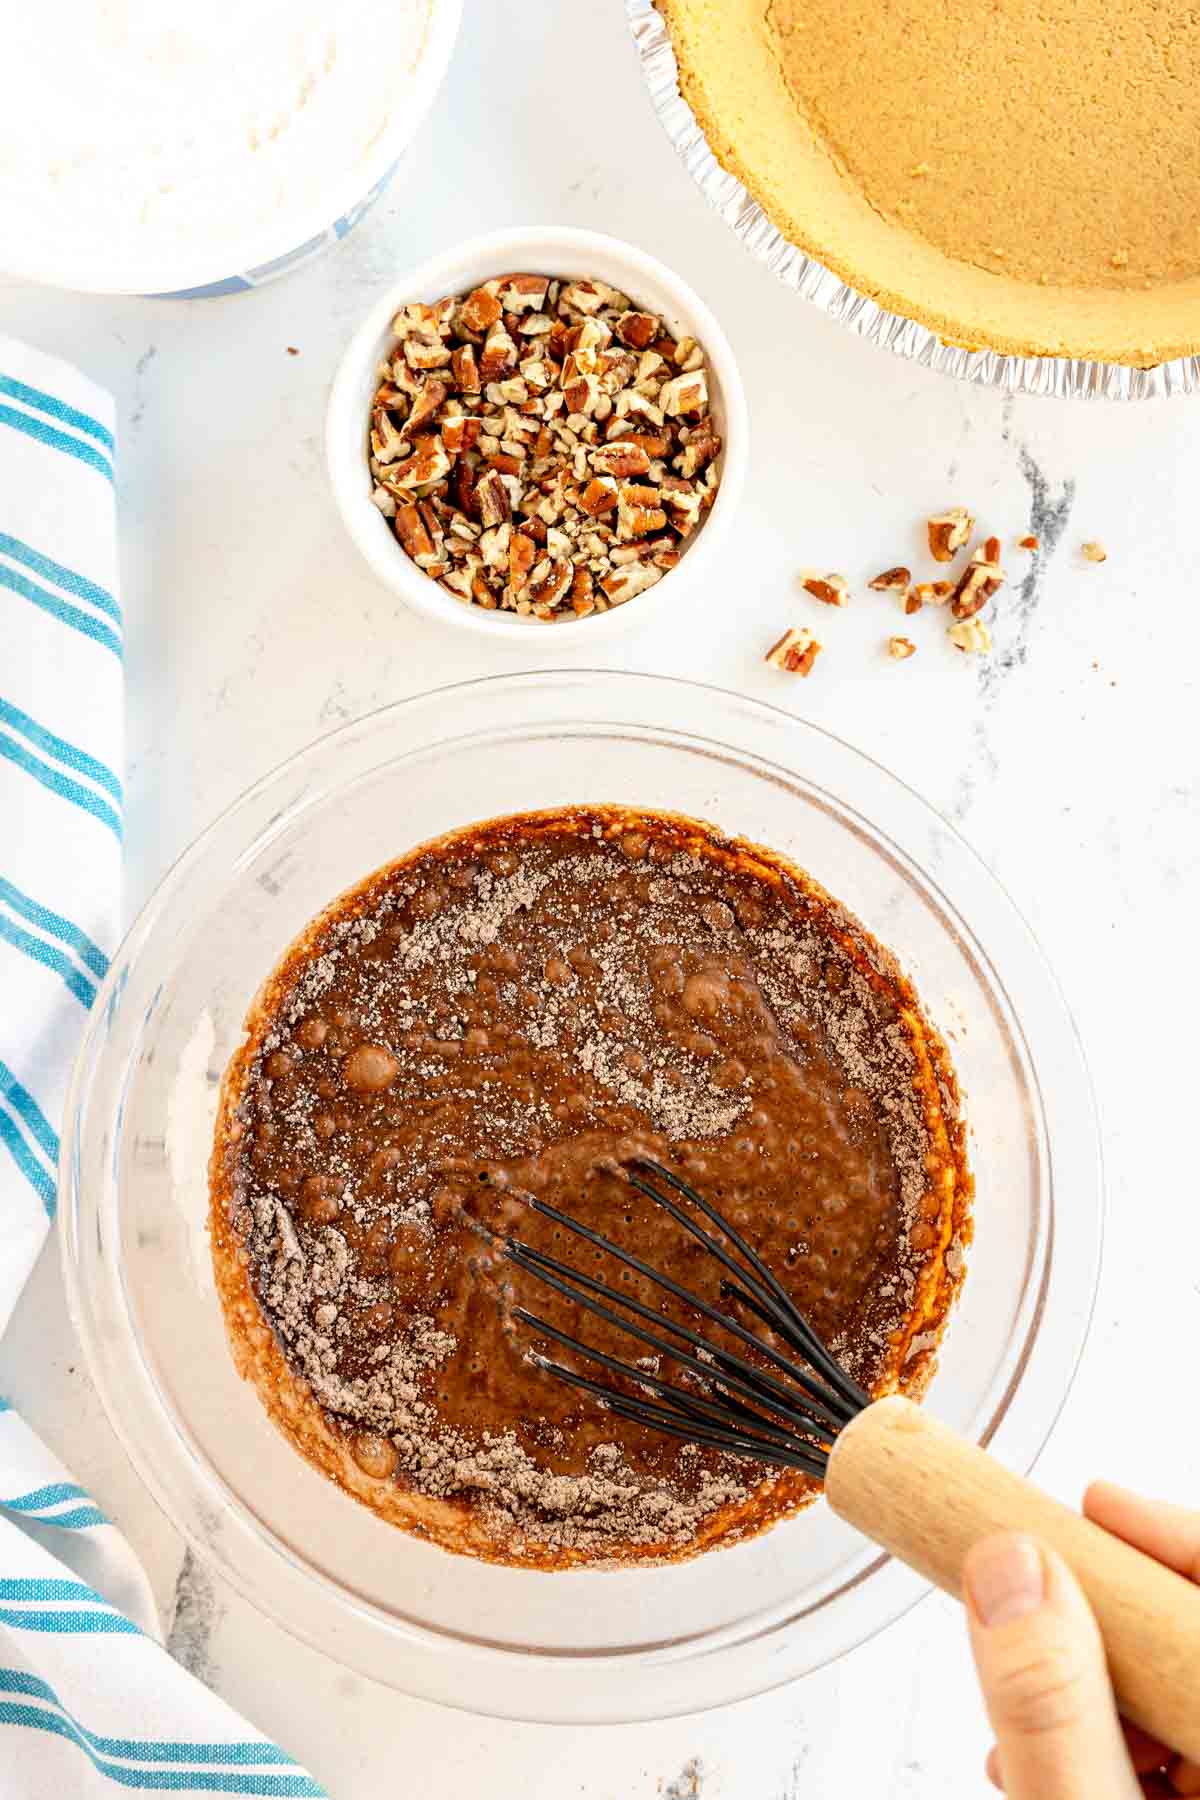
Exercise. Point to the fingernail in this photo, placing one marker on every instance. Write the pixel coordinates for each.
(1005, 1579)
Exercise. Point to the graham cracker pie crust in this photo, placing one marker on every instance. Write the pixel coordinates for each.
(1017, 177)
(522, 1007)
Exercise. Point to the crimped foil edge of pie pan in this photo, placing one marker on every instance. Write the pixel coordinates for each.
(1061, 376)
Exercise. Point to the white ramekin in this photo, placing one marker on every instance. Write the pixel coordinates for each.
(549, 250)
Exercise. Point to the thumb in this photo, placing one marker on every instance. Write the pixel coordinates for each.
(1041, 1665)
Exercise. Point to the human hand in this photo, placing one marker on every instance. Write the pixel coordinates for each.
(1041, 1661)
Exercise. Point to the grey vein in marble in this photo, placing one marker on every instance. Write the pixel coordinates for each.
(1048, 515)
(1012, 623)
(688, 1784)
(792, 1790)
(139, 389)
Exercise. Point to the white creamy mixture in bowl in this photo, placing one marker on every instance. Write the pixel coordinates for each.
(155, 146)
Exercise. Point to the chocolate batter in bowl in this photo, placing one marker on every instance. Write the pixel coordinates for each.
(659, 1631)
(521, 1007)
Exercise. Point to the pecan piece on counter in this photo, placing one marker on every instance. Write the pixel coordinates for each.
(795, 652)
(971, 635)
(892, 581)
(830, 590)
(948, 532)
(980, 580)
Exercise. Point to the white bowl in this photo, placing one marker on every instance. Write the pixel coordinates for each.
(321, 169)
(551, 250)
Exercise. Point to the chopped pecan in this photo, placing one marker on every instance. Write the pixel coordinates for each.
(981, 578)
(538, 373)
(492, 498)
(655, 447)
(831, 590)
(428, 321)
(701, 446)
(412, 531)
(461, 432)
(581, 390)
(387, 444)
(504, 462)
(1093, 551)
(948, 532)
(427, 463)
(637, 329)
(682, 502)
(614, 370)
(499, 356)
(599, 496)
(479, 311)
(430, 396)
(463, 484)
(583, 593)
(637, 516)
(622, 457)
(685, 394)
(584, 296)
(549, 581)
(971, 635)
(425, 350)
(592, 334)
(1029, 543)
(523, 293)
(901, 648)
(493, 547)
(647, 376)
(459, 582)
(892, 580)
(795, 652)
(930, 593)
(628, 580)
(482, 592)
(465, 369)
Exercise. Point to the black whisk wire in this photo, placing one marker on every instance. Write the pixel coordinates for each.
(692, 1428)
(793, 1325)
(732, 1405)
(707, 1412)
(829, 1400)
(768, 1390)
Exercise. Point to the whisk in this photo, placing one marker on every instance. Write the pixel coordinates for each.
(889, 1469)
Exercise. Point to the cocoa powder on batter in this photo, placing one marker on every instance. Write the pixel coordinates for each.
(522, 1008)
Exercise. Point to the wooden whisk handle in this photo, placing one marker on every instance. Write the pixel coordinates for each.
(927, 1495)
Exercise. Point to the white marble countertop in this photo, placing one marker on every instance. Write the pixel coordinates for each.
(1069, 760)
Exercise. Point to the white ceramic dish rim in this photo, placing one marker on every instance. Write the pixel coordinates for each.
(1060, 377)
(551, 249)
(289, 230)
(690, 1675)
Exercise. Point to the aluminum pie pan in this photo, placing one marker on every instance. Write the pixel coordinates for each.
(1060, 376)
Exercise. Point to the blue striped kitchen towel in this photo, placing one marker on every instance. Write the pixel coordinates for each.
(93, 1702)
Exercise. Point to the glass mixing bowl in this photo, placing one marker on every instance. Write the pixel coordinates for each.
(587, 1645)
